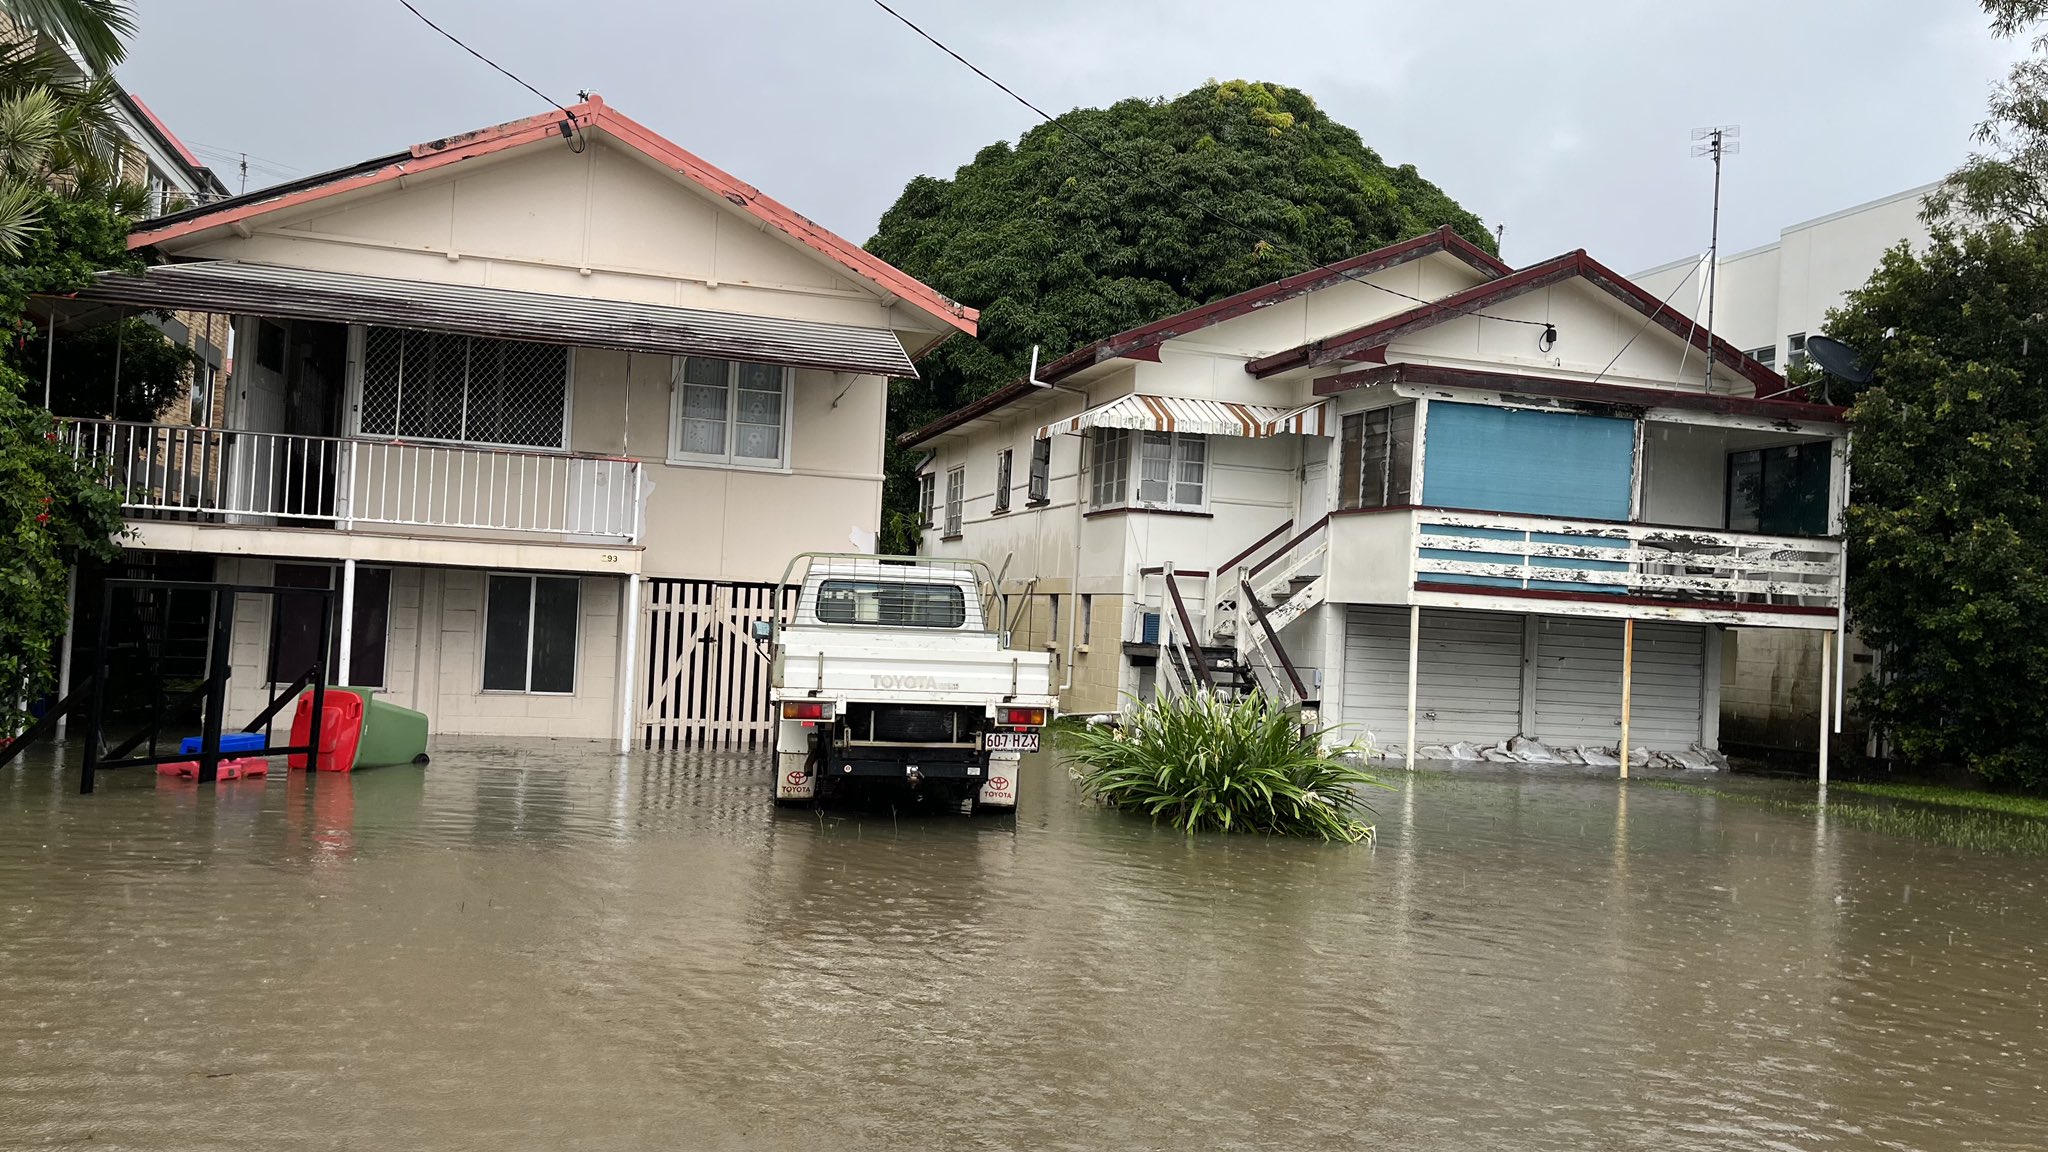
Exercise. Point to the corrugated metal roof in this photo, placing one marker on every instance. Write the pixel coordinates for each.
(1172, 414)
(300, 293)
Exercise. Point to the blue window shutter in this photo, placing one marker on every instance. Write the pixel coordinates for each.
(1561, 464)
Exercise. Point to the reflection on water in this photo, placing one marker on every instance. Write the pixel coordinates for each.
(551, 947)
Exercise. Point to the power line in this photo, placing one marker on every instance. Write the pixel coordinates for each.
(500, 69)
(1186, 197)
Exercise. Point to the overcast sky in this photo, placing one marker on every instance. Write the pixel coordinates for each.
(1566, 122)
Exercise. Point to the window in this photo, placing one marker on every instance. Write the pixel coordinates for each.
(1779, 491)
(730, 412)
(1041, 473)
(956, 495)
(1766, 355)
(1052, 627)
(202, 393)
(1173, 468)
(1375, 454)
(436, 386)
(892, 604)
(1003, 480)
(927, 497)
(1795, 350)
(530, 634)
(295, 624)
(1087, 615)
(1112, 467)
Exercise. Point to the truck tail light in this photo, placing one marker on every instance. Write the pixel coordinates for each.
(1021, 717)
(806, 710)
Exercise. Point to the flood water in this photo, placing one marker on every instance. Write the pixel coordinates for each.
(556, 948)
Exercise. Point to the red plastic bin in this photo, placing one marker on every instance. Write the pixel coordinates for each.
(341, 729)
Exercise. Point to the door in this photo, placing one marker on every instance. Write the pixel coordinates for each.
(1578, 683)
(1314, 502)
(258, 385)
(1468, 682)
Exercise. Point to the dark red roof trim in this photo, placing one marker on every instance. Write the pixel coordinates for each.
(1140, 343)
(1355, 344)
(1578, 392)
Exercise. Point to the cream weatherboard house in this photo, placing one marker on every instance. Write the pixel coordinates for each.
(1441, 499)
(549, 404)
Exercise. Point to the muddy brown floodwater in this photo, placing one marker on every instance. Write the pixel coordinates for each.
(556, 948)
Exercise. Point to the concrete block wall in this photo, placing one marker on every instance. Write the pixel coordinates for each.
(1770, 687)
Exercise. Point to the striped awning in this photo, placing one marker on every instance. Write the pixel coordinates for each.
(1307, 420)
(1172, 414)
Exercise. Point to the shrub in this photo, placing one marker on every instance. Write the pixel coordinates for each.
(1204, 764)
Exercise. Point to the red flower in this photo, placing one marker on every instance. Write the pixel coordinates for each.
(42, 517)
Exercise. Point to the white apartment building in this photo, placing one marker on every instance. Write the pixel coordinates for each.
(1770, 299)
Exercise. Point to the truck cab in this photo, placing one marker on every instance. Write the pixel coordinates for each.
(893, 673)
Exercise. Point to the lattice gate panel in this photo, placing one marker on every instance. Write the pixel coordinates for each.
(706, 678)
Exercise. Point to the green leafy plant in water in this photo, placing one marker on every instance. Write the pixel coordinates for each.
(1207, 765)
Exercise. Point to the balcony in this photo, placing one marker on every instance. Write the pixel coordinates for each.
(169, 472)
(1508, 562)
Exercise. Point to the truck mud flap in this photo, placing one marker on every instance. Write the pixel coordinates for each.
(999, 790)
(792, 782)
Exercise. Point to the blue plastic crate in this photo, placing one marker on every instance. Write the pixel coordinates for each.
(229, 742)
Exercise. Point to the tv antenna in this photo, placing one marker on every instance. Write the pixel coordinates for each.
(1715, 142)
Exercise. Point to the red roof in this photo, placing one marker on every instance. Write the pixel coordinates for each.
(1365, 343)
(164, 130)
(592, 113)
(1141, 342)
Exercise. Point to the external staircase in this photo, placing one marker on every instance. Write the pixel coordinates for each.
(1232, 648)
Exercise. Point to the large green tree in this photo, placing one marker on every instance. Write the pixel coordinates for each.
(62, 217)
(1109, 217)
(1948, 530)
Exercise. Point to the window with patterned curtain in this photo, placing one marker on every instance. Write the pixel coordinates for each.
(730, 412)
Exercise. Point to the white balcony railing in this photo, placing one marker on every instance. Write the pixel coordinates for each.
(1596, 559)
(272, 478)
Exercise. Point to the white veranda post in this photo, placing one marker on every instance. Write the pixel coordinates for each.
(629, 650)
(348, 621)
(1827, 699)
(1414, 663)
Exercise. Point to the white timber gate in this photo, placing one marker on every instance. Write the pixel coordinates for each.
(705, 681)
(1468, 681)
(1578, 683)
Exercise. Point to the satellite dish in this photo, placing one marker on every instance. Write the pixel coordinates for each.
(1837, 359)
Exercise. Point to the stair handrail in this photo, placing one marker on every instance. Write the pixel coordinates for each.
(1258, 611)
(1290, 546)
(1187, 626)
(1219, 574)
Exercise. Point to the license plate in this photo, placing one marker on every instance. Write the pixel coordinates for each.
(1013, 742)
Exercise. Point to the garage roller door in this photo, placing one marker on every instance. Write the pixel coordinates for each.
(1468, 684)
(1578, 683)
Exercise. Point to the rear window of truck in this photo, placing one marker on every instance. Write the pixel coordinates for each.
(892, 604)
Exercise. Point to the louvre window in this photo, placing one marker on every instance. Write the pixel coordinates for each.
(956, 498)
(1041, 472)
(435, 386)
(1375, 454)
(1003, 480)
